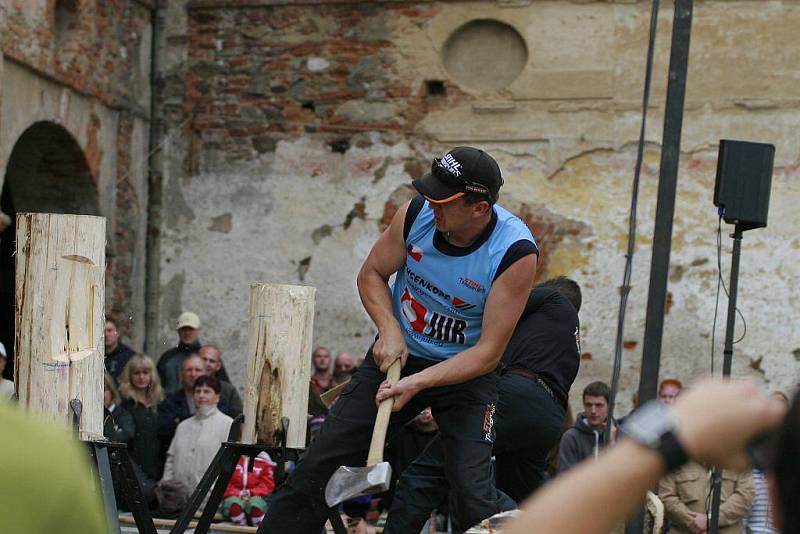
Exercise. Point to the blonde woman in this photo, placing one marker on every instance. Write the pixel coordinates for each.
(140, 389)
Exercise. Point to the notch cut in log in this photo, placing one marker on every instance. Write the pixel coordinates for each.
(279, 363)
(60, 293)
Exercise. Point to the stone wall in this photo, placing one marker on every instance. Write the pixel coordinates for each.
(293, 131)
(84, 66)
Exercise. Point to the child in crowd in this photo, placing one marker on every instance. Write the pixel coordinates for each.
(244, 496)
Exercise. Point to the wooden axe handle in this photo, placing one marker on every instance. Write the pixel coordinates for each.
(375, 455)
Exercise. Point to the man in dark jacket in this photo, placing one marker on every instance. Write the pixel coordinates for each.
(117, 353)
(169, 365)
(538, 368)
(585, 437)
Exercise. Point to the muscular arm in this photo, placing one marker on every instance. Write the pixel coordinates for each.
(386, 257)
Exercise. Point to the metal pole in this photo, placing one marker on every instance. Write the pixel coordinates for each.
(665, 211)
(713, 524)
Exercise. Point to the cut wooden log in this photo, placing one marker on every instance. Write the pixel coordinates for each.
(279, 363)
(60, 295)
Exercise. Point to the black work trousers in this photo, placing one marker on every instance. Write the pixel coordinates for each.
(528, 425)
(465, 414)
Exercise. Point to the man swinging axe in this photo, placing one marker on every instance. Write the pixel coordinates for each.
(464, 268)
(537, 370)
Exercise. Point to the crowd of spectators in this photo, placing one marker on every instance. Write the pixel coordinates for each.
(173, 416)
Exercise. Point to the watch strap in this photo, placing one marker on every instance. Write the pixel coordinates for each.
(672, 451)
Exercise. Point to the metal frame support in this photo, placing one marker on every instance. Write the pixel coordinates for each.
(665, 212)
(716, 478)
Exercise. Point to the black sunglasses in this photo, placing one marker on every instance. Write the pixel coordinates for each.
(439, 170)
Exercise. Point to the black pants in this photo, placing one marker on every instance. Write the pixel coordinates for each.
(465, 413)
(528, 425)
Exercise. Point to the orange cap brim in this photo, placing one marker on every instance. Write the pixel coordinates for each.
(444, 200)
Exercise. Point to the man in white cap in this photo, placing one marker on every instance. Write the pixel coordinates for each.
(6, 386)
(169, 365)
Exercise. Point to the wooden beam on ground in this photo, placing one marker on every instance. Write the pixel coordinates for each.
(60, 296)
(279, 363)
(125, 519)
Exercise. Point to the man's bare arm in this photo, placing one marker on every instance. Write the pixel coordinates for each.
(715, 422)
(387, 256)
(504, 305)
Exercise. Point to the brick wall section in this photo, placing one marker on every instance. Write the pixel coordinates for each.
(92, 60)
(99, 58)
(249, 79)
(119, 282)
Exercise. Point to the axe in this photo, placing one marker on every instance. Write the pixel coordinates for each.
(348, 482)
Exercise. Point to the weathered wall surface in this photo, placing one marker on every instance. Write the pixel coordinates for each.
(85, 66)
(293, 133)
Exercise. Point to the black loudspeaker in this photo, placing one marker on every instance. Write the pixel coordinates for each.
(744, 179)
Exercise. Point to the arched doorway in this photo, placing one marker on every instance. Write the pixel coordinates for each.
(46, 172)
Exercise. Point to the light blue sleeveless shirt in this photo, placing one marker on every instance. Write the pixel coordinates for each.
(438, 297)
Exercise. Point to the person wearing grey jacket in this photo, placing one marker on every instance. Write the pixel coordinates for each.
(586, 436)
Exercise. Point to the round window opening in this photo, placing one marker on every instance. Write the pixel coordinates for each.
(485, 54)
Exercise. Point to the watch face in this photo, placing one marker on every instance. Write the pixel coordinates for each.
(649, 423)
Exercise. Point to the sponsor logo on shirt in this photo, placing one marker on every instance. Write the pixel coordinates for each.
(425, 284)
(472, 284)
(461, 305)
(415, 252)
(434, 325)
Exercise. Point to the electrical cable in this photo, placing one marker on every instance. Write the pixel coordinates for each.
(626, 278)
(721, 283)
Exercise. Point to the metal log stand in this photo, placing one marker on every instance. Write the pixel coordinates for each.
(221, 469)
(114, 464)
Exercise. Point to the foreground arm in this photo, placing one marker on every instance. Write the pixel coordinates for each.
(387, 256)
(715, 422)
(504, 305)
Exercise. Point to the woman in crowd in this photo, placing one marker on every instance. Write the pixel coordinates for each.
(198, 438)
(141, 392)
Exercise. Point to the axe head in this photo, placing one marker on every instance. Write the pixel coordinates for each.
(349, 482)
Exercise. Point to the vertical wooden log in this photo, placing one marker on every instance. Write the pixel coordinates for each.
(279, 363)
(60, 295)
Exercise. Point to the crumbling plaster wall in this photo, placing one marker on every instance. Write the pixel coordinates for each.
(92, 77)
(294, 131)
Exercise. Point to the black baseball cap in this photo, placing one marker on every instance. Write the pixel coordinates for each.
(463, 169)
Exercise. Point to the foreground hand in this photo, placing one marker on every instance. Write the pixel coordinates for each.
(389, 347)
(402, 392)
(716, 420)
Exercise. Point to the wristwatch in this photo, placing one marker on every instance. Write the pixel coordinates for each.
(653, 426)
